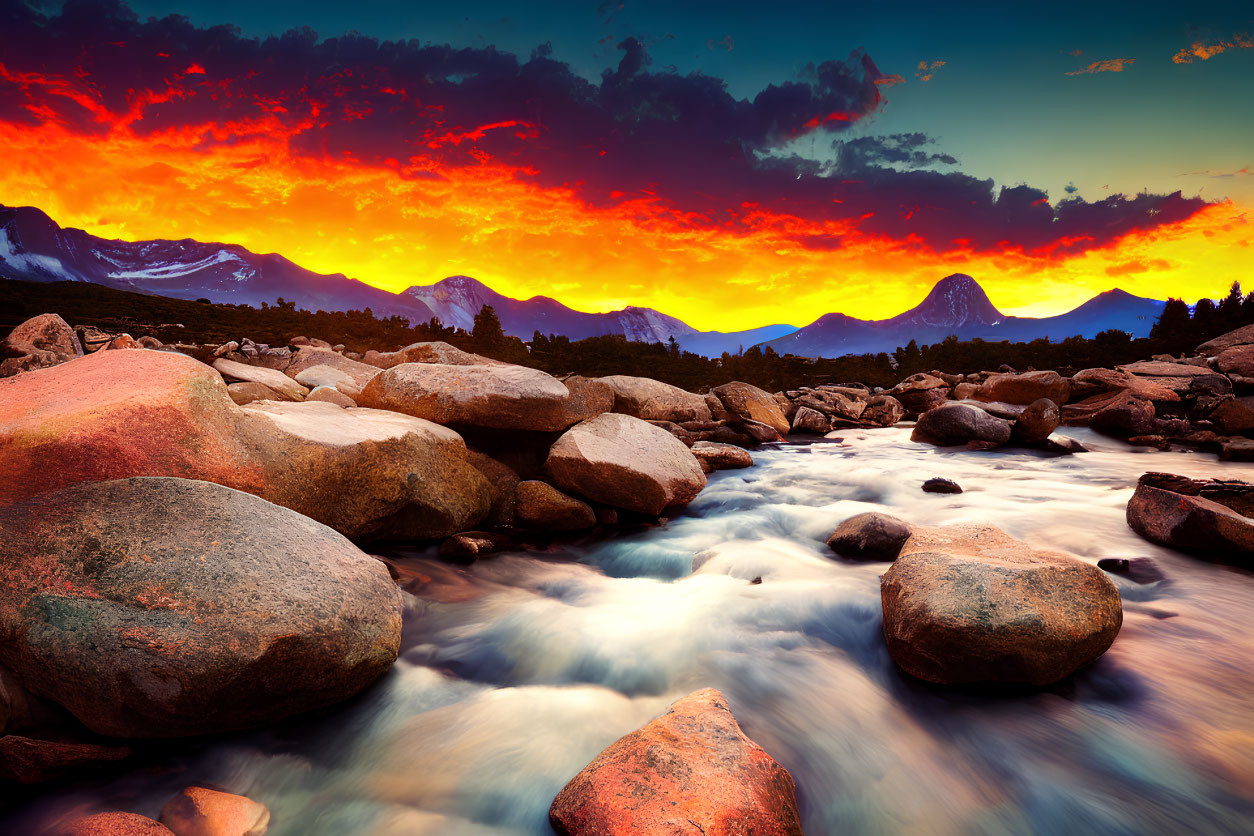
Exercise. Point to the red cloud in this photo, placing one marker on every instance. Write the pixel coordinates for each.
(1108, 65)
(1202, 51)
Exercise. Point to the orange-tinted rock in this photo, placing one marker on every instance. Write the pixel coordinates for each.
(542, 506)
(966, 604)
(117, 824)
(1124, 415)
(746, 402)
(45, 340)
(1037, 421)
(329, 394)
(428, 352)
(285, 387)
(157, 607)
(1237, 360)
(690, 771)
(625, 462)
(653, 400)
(27, 760)
(869, 536)
(1024, 388)
(882, 411)
(246, 392)
(307, 357)
(957, 424)
(1189, 523)
(199, 811)
(722, 456)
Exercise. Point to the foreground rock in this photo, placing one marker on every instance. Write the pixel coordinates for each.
(43, 341)
(653, 400)
(958, 424)
(117, 824)
(968, 604)
(622, 461)
(690, 771)
(496, 396)
(870, 536)
(1191, 523)
(364, 472)
(198, 811)
(157, 607)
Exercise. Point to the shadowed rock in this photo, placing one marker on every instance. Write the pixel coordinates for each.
(1024, 388)
(45, 340)
(26, 760)
(156, 607)
(938, 485)
(966, 604)
(542, 506)
(690, 771)
(117, 824)
(1037, 422)
(956, 424)
(1189, 523)
(869, 536)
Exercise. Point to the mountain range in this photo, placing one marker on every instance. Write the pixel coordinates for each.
(35, 248)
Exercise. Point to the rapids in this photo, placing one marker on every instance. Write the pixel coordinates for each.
(516, 671)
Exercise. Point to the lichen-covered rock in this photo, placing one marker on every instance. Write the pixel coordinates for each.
(690, 771)
(157, 607)
(622, 461)
(653, 400)
(967, 604)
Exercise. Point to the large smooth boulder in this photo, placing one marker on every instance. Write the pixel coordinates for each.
(542, 506)
(622, 461)
(148, 413)
(690, 771)
(870, 536)
(157, 607)
(1024, 388)
(1037, 421)
(277, 382)
(653, 400)
(200, 811)
(1189, 523)
(968, 604)
(428, 352)
(957, 424)
(307, 357)
(745, 402)
(45, 340)
(499, 397)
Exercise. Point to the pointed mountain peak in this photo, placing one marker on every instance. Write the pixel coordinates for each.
(954, 301)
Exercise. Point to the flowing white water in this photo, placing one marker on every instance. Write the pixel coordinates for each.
(515, 672)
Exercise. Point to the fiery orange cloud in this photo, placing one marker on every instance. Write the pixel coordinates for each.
(925, 70)
(393, 227)
(1203, 51)
(1109, 65)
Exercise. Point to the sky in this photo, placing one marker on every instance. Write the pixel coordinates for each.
(731, 164)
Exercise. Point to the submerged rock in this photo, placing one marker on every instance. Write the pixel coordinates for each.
(968, 604)
(690, 771)
(198, 811)
(956, 424)
(938, 485)
(1135, 569)
(625, 462)
(157, 607)
(870, 536)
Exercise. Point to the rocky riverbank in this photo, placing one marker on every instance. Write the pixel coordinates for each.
(158, 500)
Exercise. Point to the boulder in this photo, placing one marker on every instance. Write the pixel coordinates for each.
(324, 375)
(869, 536)
(808, 420)
(329, 394)
(1237, 360)
(1124, 415)
(158, 607)
(690, 771)
(722, 456)
(26, 760)
(498, 396)
(588, 397)
(502, 488)
(245, 392)
(1024, 388)
(199, 811)
(1037, 422)
(968, 604)
(653, 400)
(965, 391)
(1241, 336)
(428, 352)
(956, 424)
(307, 357)
(623, 461)
(1189, 523)
(1099, 381)
(116, 824)
(1234, 416)
(882, 411)
(45, 340)
(938, 485)
(542, 506)
(282, 385)
(745, 402)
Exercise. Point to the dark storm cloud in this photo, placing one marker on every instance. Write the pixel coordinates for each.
(638, 131)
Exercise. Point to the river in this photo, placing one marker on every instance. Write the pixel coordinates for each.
(515, 672)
